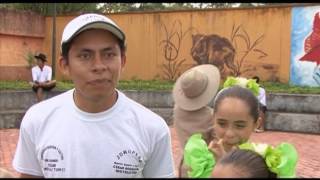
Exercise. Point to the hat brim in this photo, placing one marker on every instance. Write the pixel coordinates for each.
(191, 104)
(39, 57)
(313, 55)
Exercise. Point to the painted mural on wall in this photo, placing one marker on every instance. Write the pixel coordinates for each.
(213, 49)
(225, 53)
(171, 49)
(305, 46)
(239, 36)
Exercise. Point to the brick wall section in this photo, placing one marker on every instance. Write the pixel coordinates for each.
(21, 23)
(12, 73)
(20, 32)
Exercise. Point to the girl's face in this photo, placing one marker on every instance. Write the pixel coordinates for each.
(233, 122)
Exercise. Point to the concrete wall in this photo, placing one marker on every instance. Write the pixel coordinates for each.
(296, 113)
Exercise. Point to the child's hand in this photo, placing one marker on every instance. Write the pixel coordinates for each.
(216, 146)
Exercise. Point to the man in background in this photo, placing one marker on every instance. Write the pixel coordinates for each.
(41, 76)
(262, 104)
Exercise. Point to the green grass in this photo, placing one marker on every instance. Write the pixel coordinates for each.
(291, 89)
(23, 85)
(123, 85)
(14, 85)
(157, 85)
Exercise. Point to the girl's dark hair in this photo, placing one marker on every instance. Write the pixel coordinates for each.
(248, 160)
(241, 93)
(66, 47)
(256, 78)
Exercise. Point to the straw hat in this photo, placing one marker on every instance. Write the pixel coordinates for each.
(196, 87)
(41, 56)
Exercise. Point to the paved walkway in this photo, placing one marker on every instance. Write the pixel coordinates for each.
(308, 147)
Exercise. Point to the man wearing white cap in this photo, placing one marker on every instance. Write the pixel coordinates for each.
(93, 130)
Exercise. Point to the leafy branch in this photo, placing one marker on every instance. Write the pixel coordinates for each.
(171, 49)
(240, 33)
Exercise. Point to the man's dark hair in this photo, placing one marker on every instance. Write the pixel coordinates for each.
(249, 161)
(66, 47)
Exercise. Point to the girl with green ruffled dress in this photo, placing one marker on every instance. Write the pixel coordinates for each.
(230, 154)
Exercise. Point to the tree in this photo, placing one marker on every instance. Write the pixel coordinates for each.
(115, 7)
(67, 8)
(46, 8)
(127, 7)
(178, 6)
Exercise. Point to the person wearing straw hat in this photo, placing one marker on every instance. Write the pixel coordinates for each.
(41, 76)
(93, 130)
(192, 93)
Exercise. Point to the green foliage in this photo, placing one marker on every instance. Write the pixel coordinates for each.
(29, 57)
(14, 85)
(64, 85)
(70, 8)
(127, 7)
(287, 88)
(116, 7)
(156, 85)
(47, 8)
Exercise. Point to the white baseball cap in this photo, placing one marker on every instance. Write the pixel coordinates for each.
(90, 21)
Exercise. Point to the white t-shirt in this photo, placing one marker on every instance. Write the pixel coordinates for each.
(41, 76)
(57, 139)
(262, 96)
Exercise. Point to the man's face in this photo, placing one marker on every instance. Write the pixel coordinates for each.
(40, 63)
(94, 64)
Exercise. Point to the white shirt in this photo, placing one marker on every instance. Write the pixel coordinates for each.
(262, 96)
(57, 139)
(41, 76)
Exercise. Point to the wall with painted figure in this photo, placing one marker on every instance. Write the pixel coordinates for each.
(305, 46)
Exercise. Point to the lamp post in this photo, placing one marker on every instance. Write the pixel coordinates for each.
(54, 42)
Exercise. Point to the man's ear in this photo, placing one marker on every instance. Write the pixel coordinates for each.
(123, 61)
(64, 65)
